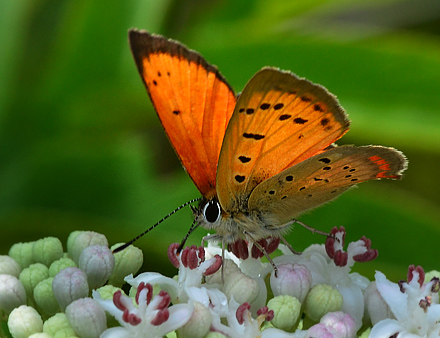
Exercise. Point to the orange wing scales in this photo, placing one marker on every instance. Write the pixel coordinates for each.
(320, 179)
(279, 121)
(192, 99)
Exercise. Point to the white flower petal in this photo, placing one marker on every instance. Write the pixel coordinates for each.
(117, 332)
(385, 328)
(353, 302)
(391, 294)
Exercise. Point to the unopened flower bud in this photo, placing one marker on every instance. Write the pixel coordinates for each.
(9, 266)
(24, 321)
(86, 317)
(199, 324)
(428, 276)
(12, 293)
(47, 250)
(293, 279)
(322, 299)
(68, 285)
(58, 326)
(79, 240)
(127, 261)
(242, 287)
(340, 324)
(22, 253)
(60, 264)
(286, 311)
(44, 297)
(97, 261)
(33, 275)
(376, 307)
(40, 335)
(215, 335)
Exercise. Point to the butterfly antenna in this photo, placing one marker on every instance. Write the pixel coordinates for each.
(191, 229)
(123, 246)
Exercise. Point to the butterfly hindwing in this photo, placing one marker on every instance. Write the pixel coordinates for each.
(320, 179)
(193, 100)
(279, 121)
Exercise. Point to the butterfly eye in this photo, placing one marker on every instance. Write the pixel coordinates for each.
(212, 212)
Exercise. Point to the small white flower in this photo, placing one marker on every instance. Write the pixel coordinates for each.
(329, 264)
(414, 304)
(149, 318)
(240, 322)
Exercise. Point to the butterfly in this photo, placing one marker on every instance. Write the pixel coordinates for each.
(261, 158)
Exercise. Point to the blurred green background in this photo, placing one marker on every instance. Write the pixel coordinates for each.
(81, 146)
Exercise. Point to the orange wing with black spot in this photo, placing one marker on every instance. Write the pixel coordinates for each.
(279, 120)
(193, 100)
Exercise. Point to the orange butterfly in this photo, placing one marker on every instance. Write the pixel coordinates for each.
(259, 159)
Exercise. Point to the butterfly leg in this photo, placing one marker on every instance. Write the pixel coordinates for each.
(263, 250)
(286, 243)
(312, 230)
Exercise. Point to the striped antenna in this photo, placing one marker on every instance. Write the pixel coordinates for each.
(122, 247)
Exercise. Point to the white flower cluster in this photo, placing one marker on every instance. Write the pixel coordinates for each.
(46, 293)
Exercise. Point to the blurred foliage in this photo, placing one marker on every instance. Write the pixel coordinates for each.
(81, 147)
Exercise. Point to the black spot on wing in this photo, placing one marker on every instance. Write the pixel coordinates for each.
(253, 136)
(239, 178)
(299, 120)
(244, 159)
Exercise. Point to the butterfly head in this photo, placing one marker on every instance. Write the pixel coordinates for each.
(208, 214)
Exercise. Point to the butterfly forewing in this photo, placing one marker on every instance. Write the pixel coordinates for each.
(193, 100)
(279, 121)
(320, 179)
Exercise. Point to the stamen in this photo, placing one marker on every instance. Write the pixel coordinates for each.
(214, 267)
(165, 301)
(435, 285)
(141, 287)
(420, 271)
(239, 248)
(340, 258)
(425, 303)
(161, 317)
(172, 254)
(242, 309)
(131, 318)
(117, 300)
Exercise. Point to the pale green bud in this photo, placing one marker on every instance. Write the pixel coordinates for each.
(97, 261)
(12, 293)
(47, 250)
(242, 287)
(199, 323)
(58, 325)
(24, 321)
(40, 335)
(215, 335)
(287, 310)
(127, 261)
(366, 333)
(87, 317)
(22, 253)
(33, 275)
(68, 285)
(60, 264)
(44, 297)
(79, 240)
(430, 275)
(322, 299)
(107, 291)
(9, 266)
